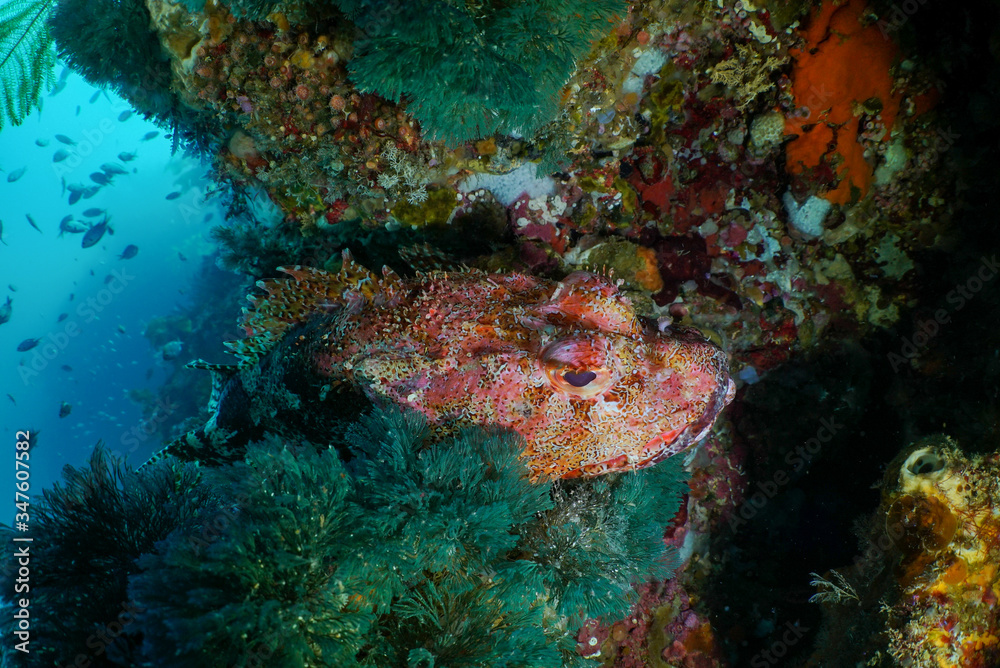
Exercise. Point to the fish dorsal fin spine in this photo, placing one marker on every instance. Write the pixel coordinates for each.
(221, 373)
(308, 291)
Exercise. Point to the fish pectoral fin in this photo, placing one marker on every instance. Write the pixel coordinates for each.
(208, 445)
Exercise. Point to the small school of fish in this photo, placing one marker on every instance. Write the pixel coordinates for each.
(92, 231)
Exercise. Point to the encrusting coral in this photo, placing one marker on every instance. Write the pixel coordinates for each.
(926, 588)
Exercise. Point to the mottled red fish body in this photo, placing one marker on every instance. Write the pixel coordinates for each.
(569, 365)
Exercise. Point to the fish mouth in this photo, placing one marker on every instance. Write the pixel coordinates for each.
(656, 449)
(667, 443)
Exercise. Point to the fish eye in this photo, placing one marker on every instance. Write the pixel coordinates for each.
(584, 383)
(581, 379)
(578, 366)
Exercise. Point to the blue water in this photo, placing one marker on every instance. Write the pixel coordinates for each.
(102, 337)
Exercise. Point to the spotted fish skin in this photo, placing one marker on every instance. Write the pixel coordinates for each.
(569, 365)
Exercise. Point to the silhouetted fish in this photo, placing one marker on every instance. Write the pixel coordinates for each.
(27, 344)
(101, 178)
(65, 140)
(5, 311)
(173, 195)
(57, 88)
(67, 368)
(68, 225)
(93, 98)
(93, 212)
(65, 408)
(33, 439)
(95, 233)
(41, 142)
(129, 252)
(152, 134)
(74, 197)
(111, 168)
(11, 397)
(31, 221)
(60, 155)
(62, 316)
(90, 191)
(125, 156)
(125, 115)
(1, 234)
(16, 174)
(180, 256)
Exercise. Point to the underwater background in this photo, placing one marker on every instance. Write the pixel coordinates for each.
(47, 275)
(809, 187)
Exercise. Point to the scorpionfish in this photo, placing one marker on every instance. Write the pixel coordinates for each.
(591, 386)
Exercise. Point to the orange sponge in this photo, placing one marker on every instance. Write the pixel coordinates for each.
(843, 64)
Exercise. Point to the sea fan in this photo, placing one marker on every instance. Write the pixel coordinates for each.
(27, 57)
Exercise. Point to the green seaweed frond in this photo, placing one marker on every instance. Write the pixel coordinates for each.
(27, 56)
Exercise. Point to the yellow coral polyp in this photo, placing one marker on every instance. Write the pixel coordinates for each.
(939, 637)
(302, 59)
(435, 210)
(279, 19)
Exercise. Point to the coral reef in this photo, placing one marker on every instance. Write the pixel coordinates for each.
(111, 43)
(773, 174)
(689, 135)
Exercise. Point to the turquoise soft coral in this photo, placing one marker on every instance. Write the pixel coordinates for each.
(469, 72)
(412, 554)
